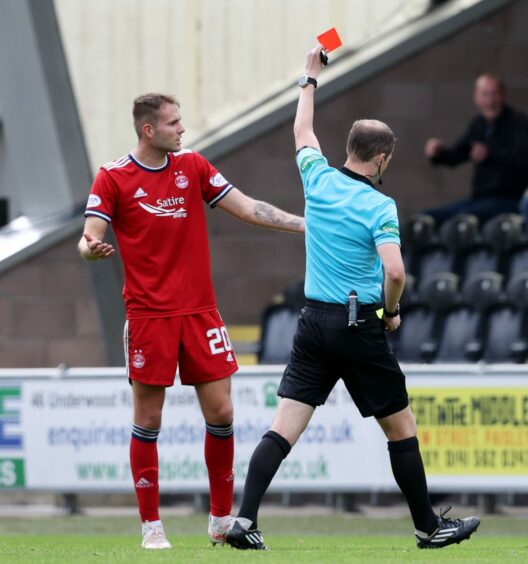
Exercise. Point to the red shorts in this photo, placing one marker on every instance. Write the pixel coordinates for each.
(197, 343)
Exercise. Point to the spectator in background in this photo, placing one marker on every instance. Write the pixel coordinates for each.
(496, 141)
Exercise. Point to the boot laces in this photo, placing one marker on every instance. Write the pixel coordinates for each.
(447, 520)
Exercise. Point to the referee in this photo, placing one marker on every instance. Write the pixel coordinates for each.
(352, 252)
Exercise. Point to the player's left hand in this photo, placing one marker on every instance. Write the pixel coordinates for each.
(391, 323)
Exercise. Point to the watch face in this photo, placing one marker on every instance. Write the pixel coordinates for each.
(303, 80)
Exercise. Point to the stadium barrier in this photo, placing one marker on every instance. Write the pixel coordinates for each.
(67, 430)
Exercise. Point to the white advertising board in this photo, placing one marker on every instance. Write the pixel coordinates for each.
(72, 434)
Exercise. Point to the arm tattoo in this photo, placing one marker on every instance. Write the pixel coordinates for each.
(266, 214)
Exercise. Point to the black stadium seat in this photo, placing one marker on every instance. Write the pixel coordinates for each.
(483, 290)
(460, 232)
(479, 258)
(416, 329)
(461, 335)
(518, 261)
(418, 334)
(506, 335)
(504, 231)
(432, 260)
(279, 324)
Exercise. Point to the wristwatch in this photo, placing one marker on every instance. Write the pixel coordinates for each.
(304, 80)
(394, 313)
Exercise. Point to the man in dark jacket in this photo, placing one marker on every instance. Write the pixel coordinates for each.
(496, 141)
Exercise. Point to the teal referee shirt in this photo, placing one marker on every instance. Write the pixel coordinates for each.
(346, 219)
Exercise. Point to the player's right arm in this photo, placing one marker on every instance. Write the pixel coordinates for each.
(91, 245)
(303, 126)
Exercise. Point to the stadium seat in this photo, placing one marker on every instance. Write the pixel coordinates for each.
(504, 231)
(461, 339)
(432, 260)
(439, 290)
(518, 261)
(479, 258)
(506, 335)
(417, 338)
(462, 334)
(483, 290)
(460, 232)
(416, 331)
(517, 290)
(418, 232)
(279, 324)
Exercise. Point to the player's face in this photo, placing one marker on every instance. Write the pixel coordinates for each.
(168, 131)
(489, 97)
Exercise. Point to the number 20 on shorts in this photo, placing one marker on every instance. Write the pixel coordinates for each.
(218, 340)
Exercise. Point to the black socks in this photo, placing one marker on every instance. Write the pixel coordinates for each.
(263, 466)
(408, 470)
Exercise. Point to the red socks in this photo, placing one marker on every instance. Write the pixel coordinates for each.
(144, 466)
(219, 453)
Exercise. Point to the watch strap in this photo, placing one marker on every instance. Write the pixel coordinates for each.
(394, 313)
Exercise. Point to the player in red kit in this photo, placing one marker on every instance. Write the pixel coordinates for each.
(154, 199)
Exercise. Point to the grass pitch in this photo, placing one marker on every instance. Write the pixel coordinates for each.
(332, 538)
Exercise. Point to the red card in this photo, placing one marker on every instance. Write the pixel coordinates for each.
(330, 40)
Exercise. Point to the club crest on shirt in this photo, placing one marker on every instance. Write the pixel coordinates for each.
(138, 360)
(181, 181)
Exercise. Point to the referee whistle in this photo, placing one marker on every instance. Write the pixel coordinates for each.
(352, 309)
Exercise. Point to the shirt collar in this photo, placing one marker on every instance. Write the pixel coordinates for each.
(355, 176)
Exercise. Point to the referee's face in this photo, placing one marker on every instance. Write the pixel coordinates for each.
(168, 130)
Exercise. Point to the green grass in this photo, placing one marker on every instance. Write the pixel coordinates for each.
(339, 538)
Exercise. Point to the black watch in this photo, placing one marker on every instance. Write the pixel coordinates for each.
(304, 80)
(394, 313)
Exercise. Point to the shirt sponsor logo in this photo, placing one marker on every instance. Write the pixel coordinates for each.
(390, 227)
(170, 201)
(310, 160)
(161, 211)
(181, 181)
(217, 180)
(93, 201)
(140, 193)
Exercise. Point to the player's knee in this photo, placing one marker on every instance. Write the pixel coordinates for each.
(148, 420)
(221, 414)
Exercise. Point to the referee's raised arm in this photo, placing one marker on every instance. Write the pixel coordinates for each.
(303, 125)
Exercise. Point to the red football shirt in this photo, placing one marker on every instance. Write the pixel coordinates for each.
(159, 221)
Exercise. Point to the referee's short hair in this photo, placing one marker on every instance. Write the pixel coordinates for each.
(145, 108)
(368, 138)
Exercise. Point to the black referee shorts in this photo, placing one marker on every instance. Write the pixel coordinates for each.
(326, 349)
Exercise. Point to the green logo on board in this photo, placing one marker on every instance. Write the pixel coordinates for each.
(270, 394)
(12, 474)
